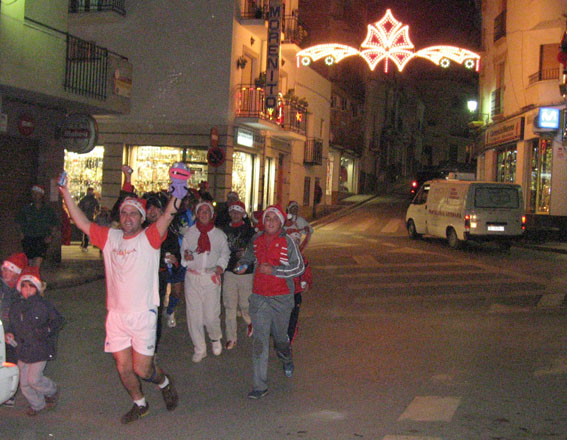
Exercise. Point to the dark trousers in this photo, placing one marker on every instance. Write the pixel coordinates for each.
(294, 317)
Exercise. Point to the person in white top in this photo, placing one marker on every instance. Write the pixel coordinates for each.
(131, 262)
(205, 253)
(296, 226)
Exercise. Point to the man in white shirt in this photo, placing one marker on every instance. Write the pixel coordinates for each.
(131, 259)
(205, 253)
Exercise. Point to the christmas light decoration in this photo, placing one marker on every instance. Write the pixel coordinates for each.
(388, 40)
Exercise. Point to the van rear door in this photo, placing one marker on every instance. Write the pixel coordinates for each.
(496, 209)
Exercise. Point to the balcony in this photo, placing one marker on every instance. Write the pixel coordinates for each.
(313, 153)
(500, 26)
(288, 120)
(254, 10)
(117, 6)
(544, 75)
(294, 32)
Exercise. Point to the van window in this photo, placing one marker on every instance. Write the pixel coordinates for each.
(421, 196)
(496, 197)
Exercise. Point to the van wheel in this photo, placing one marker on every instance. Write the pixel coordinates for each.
(412, 232)
(453, 240)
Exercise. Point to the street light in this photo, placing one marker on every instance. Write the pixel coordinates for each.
(482, 118)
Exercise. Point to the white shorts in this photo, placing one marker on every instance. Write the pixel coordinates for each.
(136, 330)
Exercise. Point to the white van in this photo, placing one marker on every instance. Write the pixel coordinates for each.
(467, 210)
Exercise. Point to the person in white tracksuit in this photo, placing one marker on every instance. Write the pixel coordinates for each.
(205, 253)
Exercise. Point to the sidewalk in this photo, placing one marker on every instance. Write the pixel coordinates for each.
(78, 267)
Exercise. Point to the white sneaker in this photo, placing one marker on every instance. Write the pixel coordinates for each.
(217, 347)
(198, 357)
(171, 322)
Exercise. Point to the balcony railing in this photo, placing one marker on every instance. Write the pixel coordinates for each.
(117, 6)
(250, 103)
(496, 102)
(294, 31)
(255, 9)
(86, 69)
(500, 26)
(544, 74)
(313, 154)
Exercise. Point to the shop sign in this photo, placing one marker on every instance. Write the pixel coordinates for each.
(245, 138)
(26, 125)
(79, 133)
(547, 119)
(123, 80)
(273, 55)
(215, 157)
(508, 131)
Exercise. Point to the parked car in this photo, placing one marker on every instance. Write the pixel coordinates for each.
(467, 210)
(9, 373)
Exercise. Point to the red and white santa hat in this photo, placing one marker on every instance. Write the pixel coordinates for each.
(291, 204)
(38, 188)
(31, 274)
(16, 262)
(139, 204)
(207, 204)
(237, 206)
(276, 209)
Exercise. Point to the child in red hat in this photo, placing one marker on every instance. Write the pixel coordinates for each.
(33, 329)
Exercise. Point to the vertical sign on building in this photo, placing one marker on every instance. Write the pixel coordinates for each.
(273, 58)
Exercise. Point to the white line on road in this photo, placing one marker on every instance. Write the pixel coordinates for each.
(403, 265)
(558, 366)
(411, 272)
(392, 226)
(417, 284)
(363, 226)
(364, 259)
(431, 409)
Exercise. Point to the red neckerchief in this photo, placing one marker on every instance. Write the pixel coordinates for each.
(204, 244)
(236, 225)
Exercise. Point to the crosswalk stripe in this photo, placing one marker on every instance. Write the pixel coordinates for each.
(431, 409)
(331, 226)
(392, 226)
(392, 265)
(364, 259)
(407, 250)
(363, 226)
(416, 284)
(413, 273)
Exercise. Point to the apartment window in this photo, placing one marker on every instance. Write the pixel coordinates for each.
(306, 191)
(343, 103)
(333, 101)
(548, 68)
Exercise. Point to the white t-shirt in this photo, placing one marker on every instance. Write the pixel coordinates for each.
(131, 266)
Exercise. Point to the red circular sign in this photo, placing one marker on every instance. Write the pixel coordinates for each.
(215, 157)
(26, 125)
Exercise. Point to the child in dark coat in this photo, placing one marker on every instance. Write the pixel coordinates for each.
(34, 326)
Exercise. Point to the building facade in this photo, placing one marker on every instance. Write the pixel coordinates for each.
(202, 66)
(51, 81)
(522, 105)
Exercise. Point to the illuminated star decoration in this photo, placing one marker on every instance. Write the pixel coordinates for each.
(388, 39)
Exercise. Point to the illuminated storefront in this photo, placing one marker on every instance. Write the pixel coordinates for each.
(347, 175)
(245, 173)
(85, 171)
(151, 166)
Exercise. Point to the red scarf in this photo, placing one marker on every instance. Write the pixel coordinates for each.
(204, 244)
(236, 225)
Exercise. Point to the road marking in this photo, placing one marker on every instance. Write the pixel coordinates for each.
(558, 366)
(392, 226)
(330, 244)
(403, 265)
(431, 409)
(409, 437)
(417, 284)
(504, 308)
(331, 226)
(363, 226)
(407, 250)
(363, 260)
(326, 414)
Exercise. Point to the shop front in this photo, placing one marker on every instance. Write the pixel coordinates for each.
(347, 175)
(246, 167)
(85, 171)
(151, 165)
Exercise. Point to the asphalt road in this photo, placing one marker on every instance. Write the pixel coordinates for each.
(399, 340)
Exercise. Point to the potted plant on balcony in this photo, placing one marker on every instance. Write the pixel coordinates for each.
(261, 80)
(291, 98)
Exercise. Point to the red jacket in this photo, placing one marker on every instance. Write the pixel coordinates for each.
(283, 254)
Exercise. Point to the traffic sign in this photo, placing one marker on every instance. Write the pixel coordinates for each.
(215, 157)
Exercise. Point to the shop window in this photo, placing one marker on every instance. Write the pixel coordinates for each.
(151, 166)
(540, 176)
(506, 165)
(244, 177)
(306, 191)
(85, 171)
